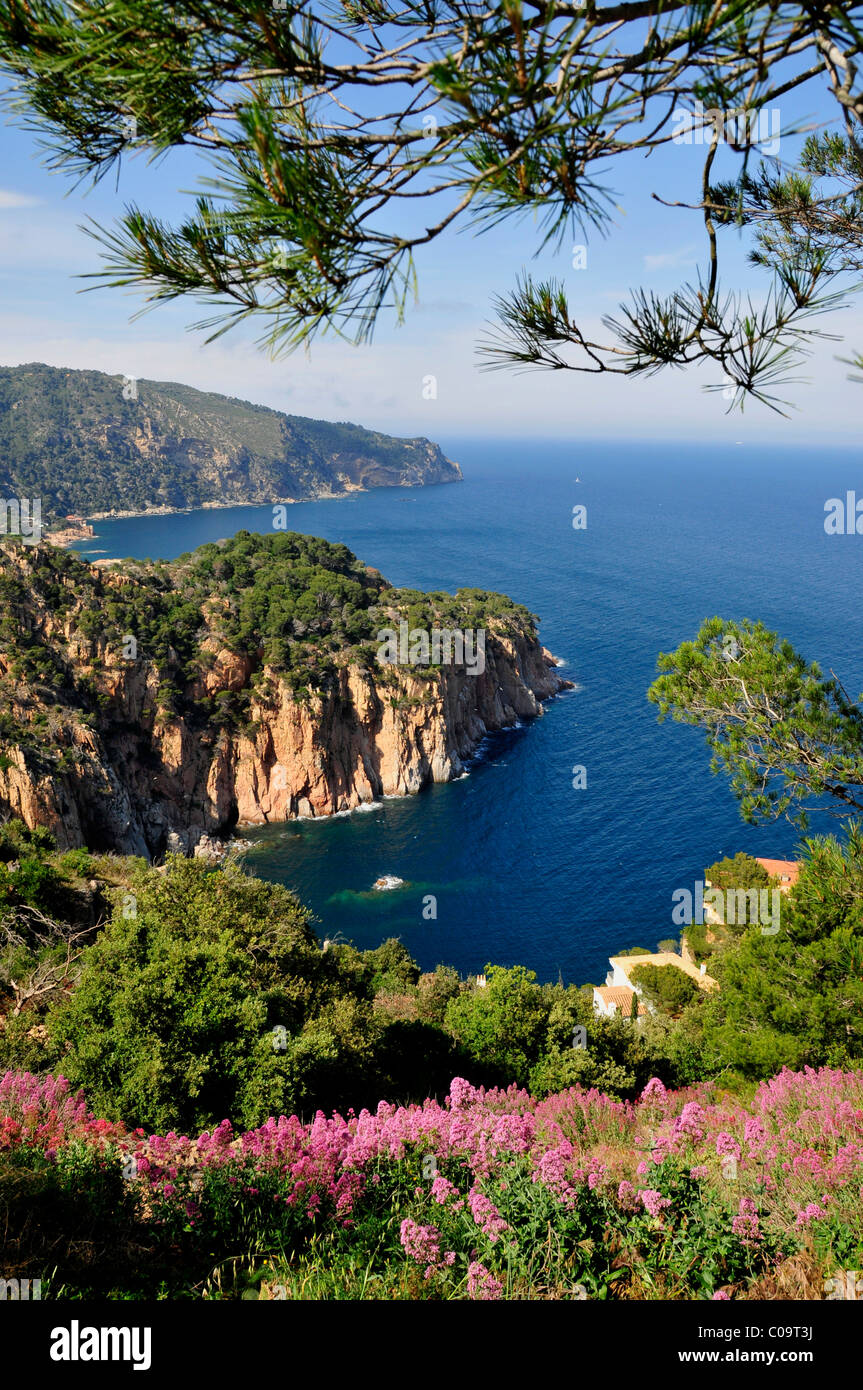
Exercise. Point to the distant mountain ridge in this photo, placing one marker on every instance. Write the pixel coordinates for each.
(87, 447)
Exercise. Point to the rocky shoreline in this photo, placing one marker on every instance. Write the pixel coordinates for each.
(139, 778)
(150, 789)
(70, 534)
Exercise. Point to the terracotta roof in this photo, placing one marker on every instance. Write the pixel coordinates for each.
(660, 958)
(620, 995)
(781, 868)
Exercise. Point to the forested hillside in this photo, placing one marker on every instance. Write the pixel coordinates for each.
(88, 443)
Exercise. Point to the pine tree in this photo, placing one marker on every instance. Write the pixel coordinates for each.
(344, 136)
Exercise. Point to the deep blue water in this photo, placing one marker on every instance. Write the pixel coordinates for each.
(525, 868)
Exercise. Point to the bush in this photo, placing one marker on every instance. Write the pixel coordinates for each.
(171, 1020)
(503, 1025)
(434, 993)
(35, 883)
(16, 839)
(77, 863)
(665, 986)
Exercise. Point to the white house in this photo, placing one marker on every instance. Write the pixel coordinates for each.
(609, 1000)
(619, 991)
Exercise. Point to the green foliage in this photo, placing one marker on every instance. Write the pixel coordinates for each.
(740, 872)
(45, 914)
(795, 998)
(171, 1021)
(52, 442)
(16, 839)
(784, 735)
(391, 967)
(665, 986)
(26, 875)
(73, 1210)
(741, 881)
(176, 1016)
(502, 1025)
(614, 1060)
(434, 992)
(280, 592)
(33, 882)
(675, 1047)
(696, 937)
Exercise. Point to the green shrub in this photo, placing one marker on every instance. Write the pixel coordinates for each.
(77, 863)
(503, 1025)
(665, 986)
(171, 1021)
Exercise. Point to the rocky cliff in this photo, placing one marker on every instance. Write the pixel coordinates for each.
(142, 754)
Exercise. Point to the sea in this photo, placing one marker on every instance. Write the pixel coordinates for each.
(517, 863)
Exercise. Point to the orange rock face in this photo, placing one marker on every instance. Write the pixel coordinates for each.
(135, 777)
(140, 784)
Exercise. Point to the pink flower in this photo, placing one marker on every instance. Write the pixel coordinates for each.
(486, 1215)
(422, 1243)
(810, 1213)
(442, 1189)
(726, 1144)
(461, 1093)
(720, 1297)
(654, 1202)
(690, 1121)
(654, 1088)
(745, 1224)
(481, 1283)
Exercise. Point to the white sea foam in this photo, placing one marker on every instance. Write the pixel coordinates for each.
(387, 882)
(351, 811)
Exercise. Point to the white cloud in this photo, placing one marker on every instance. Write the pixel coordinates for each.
(10, 199)
(35, 242)
(381, 386)
(671, 260)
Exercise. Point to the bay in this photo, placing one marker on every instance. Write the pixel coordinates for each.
(523, 867)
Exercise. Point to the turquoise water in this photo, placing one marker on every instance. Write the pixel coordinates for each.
(523, 867)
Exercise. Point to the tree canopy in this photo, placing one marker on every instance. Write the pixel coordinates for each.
(343, 137)
(666, 987)
(789, 739)
(740, 872)
(795, 999)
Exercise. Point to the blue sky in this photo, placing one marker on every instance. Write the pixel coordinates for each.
(45, 317)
